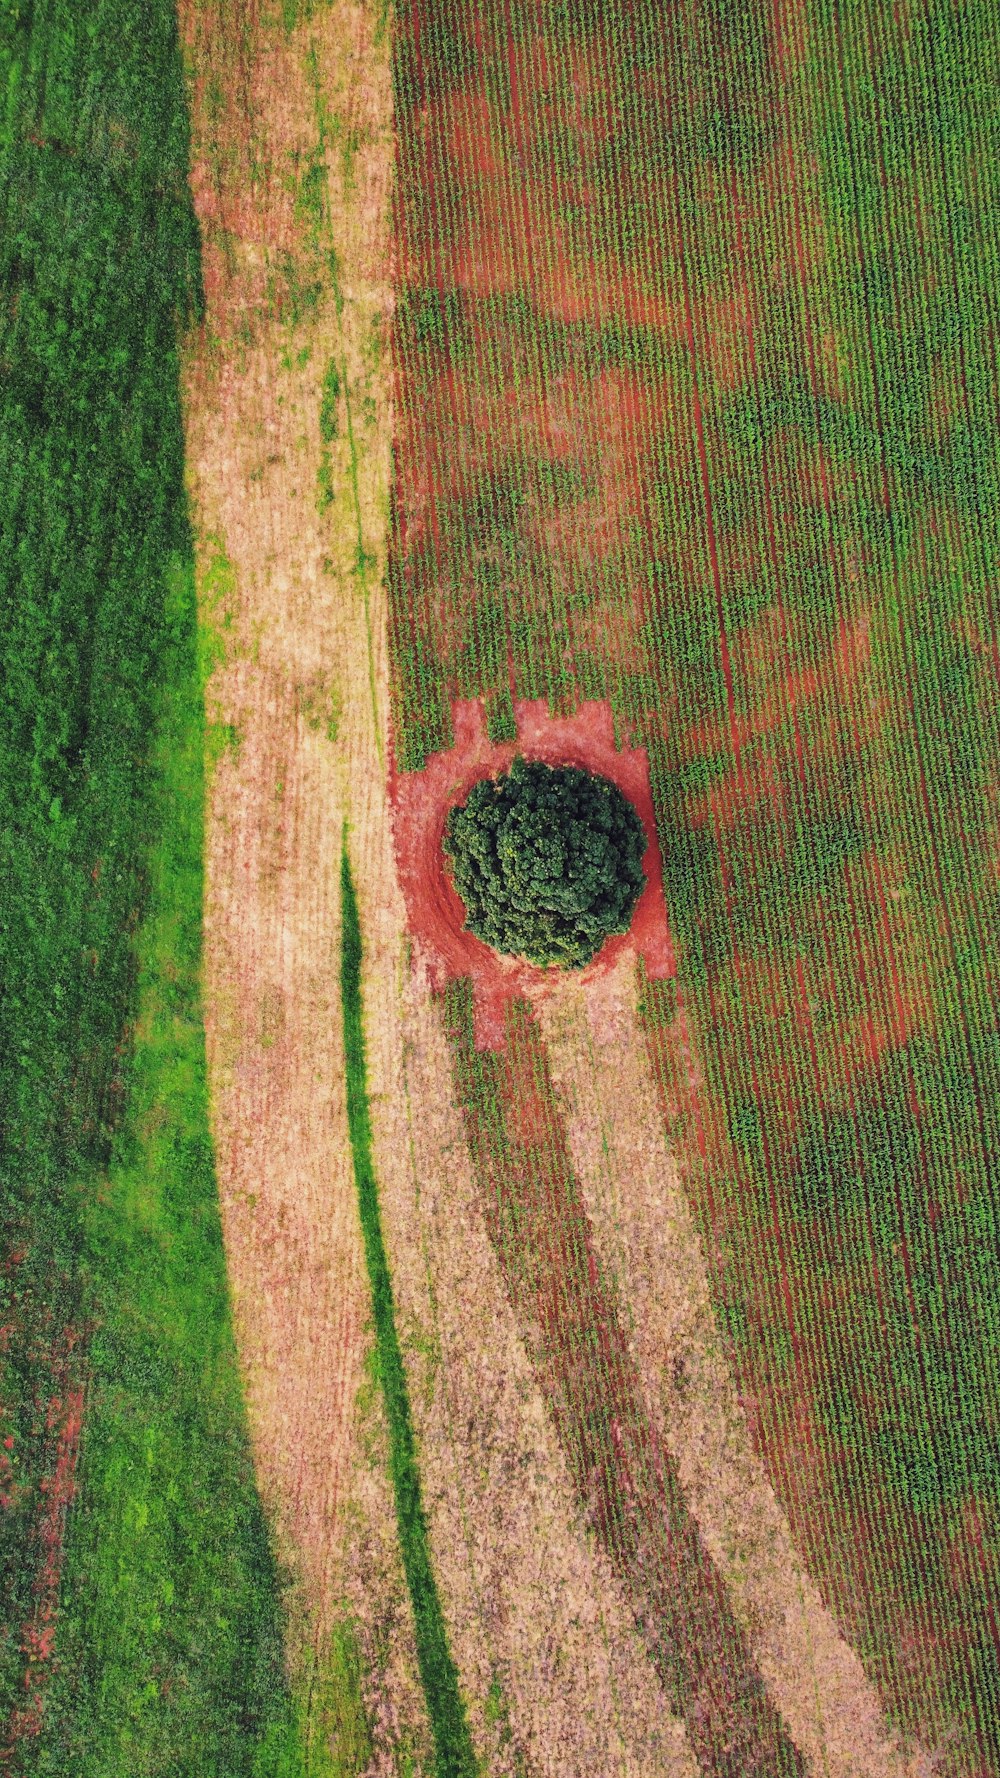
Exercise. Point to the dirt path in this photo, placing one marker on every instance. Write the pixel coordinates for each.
(279, 590)
(645, 1237)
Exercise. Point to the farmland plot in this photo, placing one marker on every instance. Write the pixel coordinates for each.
(543, 1528)
(695, 346)
(139, 1619)
(620, 1352)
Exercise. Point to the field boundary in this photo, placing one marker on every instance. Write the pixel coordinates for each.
(437, 1667)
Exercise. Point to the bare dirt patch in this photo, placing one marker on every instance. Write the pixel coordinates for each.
(284, 597)
(626, 1481)
(435, 914)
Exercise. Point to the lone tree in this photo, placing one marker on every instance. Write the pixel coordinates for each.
(548, 861)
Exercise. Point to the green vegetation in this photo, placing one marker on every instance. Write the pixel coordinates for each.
(335, 1730)
(548, 861)
(169, 1642)
(453, 1746)
(167, 1656)
(329, 412)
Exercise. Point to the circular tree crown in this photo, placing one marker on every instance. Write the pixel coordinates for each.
(548, 861)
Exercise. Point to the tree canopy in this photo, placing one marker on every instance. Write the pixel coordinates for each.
(548, 861)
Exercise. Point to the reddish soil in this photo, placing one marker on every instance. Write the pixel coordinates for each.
(477, 164)
(464, 427)
(420, 804)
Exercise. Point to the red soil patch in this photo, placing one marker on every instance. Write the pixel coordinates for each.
(463, 428)
(64, 1423)
(420, 804)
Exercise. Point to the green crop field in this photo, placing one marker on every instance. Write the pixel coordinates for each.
(714, 288)
(695, 342)
(142, 1633)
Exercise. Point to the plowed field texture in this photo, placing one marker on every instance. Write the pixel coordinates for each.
(696, 359)
(415, 1363)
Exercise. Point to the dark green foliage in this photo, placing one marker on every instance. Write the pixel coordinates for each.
(448, 49)
(169, 1644)
(548, 861)
(95, 270)
(730, 79)
(453, 1747)
(167, 1655)
(420, 713)
(913, 1412)
(509, 325)
(436, 319)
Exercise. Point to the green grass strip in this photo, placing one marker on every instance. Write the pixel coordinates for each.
(170, 1636)
(438, 1673)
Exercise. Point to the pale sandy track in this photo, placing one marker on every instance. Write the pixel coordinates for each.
(645, 1234)
(526, 1589)
(276, 585)
(303, 685)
